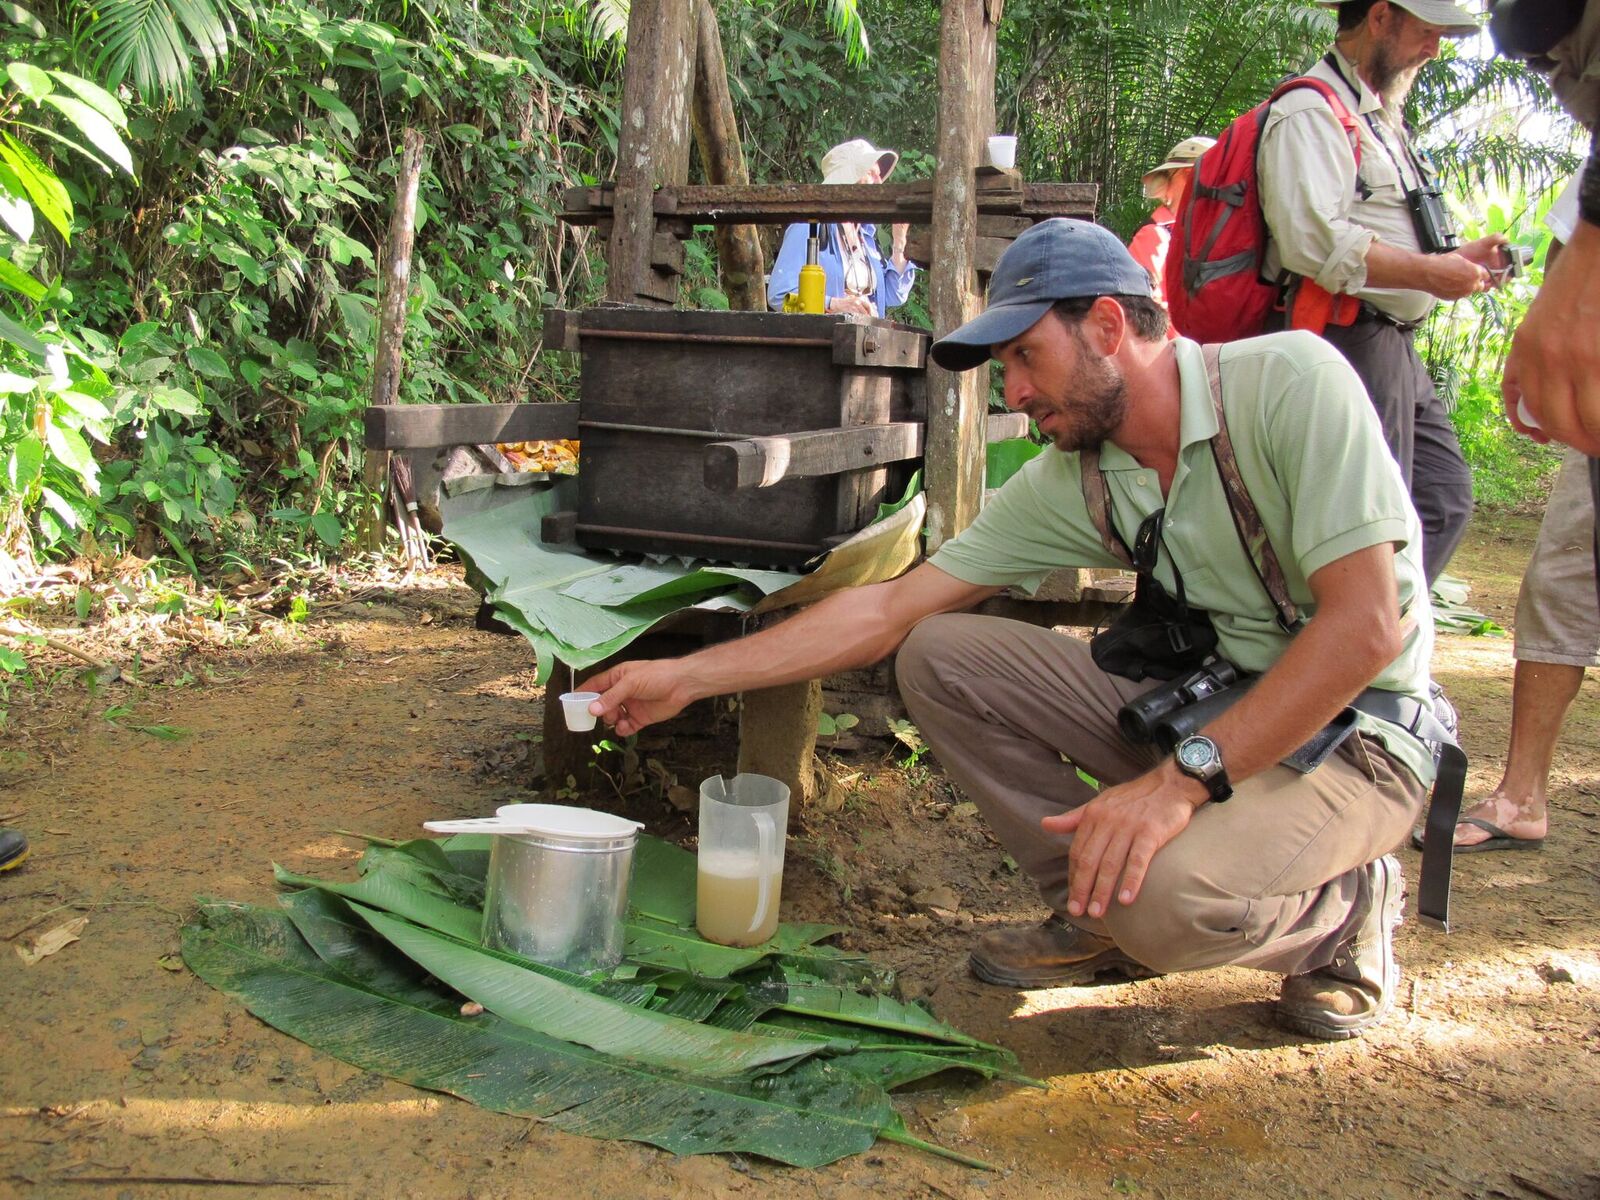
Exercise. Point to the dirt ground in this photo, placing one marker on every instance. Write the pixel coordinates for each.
(121, 1074)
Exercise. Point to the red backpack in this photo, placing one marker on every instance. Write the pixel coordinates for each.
(1215, 292)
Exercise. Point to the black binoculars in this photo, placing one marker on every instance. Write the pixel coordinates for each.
(1167, 714)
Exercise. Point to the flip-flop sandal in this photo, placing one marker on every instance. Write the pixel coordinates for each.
(1498, 838)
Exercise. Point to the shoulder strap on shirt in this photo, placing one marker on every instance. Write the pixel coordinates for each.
(1246, 520)
(1098, 501)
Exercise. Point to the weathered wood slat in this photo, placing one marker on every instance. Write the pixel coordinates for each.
(1003, 427)
(425, 426)
(780, 204)
(874, 346)
(763, 461)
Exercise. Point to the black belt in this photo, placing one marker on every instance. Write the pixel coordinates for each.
(1444, 808)
(1368, 312)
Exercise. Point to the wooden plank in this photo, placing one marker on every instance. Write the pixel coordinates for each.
(957, 401)
(1002, 226)
(560, 330)
(656, 286)
(1060, 200)
(1003, 427)
(764, 461)
(856, 344)
(783, 203)
(666, 252)
(425, 426)
(865, 398)
(559, 528)
(987, 253)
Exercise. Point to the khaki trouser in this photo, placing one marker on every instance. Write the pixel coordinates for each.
(1267, 879)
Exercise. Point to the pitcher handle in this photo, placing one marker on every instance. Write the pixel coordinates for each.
(767, 833)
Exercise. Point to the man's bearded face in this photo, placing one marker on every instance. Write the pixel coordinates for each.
(1092, 405)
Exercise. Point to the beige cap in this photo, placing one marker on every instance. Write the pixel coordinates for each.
(1182, 155)
(849, 161)
(1457, 20)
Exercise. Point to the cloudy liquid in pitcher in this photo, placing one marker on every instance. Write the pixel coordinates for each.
(727, 894)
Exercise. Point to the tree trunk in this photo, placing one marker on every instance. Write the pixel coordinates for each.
(652, 143)
(716, 134)
(957, 401)
(392, 321)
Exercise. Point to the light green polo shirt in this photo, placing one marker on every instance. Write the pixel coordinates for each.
(1313, 458)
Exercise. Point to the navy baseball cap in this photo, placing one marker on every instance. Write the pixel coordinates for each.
(1059, 259)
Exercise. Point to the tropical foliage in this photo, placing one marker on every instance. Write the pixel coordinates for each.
(194, 195)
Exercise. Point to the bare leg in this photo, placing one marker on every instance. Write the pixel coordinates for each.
(1540, 695)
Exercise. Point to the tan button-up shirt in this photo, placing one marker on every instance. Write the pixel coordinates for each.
(1320, 224)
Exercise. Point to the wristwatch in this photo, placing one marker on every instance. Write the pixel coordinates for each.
(1198, 757)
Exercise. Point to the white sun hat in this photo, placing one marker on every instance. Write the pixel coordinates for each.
(849, 161)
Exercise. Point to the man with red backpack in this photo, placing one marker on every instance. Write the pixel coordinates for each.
(1376, 237)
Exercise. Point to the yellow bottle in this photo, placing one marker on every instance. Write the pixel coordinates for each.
(813, 281)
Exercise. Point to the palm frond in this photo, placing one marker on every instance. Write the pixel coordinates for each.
(153, 44)
(844, 20)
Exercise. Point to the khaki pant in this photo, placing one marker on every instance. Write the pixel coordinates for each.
(1267, 879)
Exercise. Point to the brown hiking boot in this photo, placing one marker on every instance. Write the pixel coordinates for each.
(1352, 993)
(1050, 955)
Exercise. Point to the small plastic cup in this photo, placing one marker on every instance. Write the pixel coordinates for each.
(575, 706)
(1003, 151)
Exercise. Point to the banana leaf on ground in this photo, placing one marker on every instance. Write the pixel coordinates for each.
(786, 1049)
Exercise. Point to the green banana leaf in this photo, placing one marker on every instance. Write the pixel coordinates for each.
(810, 1116)
(680, 948)
(900, 1057)
(794, 993)
(346, 942)
(425, 864)
(550, 1007)
(663, 884)
(399, 894)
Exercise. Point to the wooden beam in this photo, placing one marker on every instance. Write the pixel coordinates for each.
(1005, 427)
(652, 142)
(874, 346)
(760, 462)
(783, 203)
(426, 426)
(957, 401)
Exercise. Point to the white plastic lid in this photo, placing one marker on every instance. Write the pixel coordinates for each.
(561, 820)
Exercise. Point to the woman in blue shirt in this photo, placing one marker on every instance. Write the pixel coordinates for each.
(860, 279)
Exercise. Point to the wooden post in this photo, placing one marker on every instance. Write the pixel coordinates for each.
(652, 143)
(778, 736)
(739, 259)
(396, 288)
(956, 402)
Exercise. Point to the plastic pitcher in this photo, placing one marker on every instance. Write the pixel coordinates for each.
(743, 823)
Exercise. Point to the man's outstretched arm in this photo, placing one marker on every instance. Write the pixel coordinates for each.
(849, 629)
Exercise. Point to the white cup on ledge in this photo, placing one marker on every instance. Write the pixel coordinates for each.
(1002, 150)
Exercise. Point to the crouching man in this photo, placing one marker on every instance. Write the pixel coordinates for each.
(1217, 854)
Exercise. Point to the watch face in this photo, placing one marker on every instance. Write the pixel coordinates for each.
(1196, 752)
